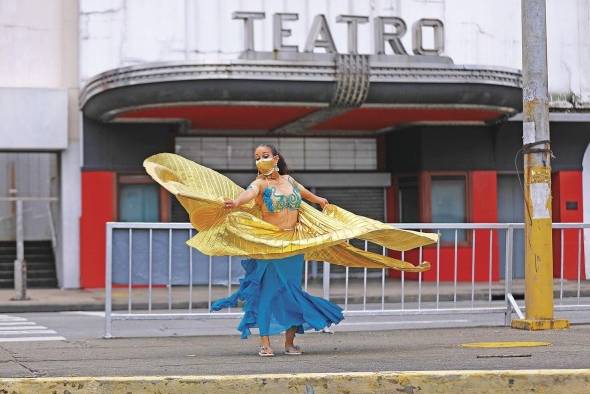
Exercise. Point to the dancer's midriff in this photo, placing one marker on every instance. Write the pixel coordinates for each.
(285, 219)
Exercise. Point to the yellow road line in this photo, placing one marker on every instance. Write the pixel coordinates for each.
(492, 345)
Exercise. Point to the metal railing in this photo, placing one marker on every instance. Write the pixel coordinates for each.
(162, 275)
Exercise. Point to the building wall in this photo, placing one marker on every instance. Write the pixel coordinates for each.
(39, 54)
(450, 148)
(113, 33)
(98, 208)
(485, 152)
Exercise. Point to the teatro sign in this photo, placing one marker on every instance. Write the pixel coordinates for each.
(320, 36)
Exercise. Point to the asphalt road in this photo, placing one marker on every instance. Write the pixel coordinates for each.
(73, 346)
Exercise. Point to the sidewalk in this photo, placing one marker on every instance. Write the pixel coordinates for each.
(50, 300)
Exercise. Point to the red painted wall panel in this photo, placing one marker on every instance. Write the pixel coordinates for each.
(391, 202)
(567, 187)
(483, 208)
(98, 207)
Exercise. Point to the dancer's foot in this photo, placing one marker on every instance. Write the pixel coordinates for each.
(265, 351)
(293, 350)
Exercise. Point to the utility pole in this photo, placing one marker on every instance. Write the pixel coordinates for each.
(537, 173)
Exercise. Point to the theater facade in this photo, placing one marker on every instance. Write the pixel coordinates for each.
(381, 110)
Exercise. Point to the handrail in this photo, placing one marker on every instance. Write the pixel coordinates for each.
(404, 226)
(401, 298)
(52, 228)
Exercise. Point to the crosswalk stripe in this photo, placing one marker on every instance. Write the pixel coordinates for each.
(32, 339)
(34, 332)
(23, 328)
(19, 329)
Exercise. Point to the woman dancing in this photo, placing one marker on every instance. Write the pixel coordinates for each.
(279, 304)
(270, 226)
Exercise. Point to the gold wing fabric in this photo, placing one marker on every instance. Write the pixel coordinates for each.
(242, 232)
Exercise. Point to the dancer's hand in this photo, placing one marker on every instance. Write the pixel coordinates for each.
(322, 202)
(229, 204)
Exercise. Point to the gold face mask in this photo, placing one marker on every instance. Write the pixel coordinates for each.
(265, 166)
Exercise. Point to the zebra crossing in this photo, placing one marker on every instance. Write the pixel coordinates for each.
(20, 329)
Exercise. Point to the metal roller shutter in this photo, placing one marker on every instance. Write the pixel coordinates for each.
(369, 202)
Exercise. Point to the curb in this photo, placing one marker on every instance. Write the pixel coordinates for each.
(468, 382)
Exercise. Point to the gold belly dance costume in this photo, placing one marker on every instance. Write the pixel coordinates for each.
(273, 300)
(319, 235)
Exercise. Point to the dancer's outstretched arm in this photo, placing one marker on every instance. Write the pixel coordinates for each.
(244, 197)
(309, 196)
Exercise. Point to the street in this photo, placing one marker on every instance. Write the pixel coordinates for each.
(82, 352)
(70, 344)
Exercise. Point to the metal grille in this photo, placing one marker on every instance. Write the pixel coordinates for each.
(369, 202)
(236, 153)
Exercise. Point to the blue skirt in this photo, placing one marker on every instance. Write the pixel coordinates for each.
(274, 301)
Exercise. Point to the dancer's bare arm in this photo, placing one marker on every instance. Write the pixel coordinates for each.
(244, 197)
(309, 196)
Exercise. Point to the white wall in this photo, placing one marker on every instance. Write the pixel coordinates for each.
(33, 119)
(39, 71)
(31, 34)
(117, 33)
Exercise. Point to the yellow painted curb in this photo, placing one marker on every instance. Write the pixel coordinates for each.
(493, 345)
(538, 325)
(465, 382)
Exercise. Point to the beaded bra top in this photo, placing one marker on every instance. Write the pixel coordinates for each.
(277, 202)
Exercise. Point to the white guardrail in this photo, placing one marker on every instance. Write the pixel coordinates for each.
(164, 279)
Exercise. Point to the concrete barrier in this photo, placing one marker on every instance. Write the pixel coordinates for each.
(466, 382)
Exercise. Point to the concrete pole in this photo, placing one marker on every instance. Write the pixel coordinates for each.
(537, 173)
(20, 265)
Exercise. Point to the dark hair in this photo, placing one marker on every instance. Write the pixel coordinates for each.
(283, 169)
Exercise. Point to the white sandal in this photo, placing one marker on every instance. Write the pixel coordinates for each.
(293, 351)
(265, 352)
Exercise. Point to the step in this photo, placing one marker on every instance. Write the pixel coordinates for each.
(31, 265)
(31, 283)
(12, 248)
(28, 245)
(36, 257)
(42, 273)
(28, 252)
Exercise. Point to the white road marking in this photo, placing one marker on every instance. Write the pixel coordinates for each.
(32, 339)
(372, 323)
(84, 313)
(23, 328)
(27, 331)
(34, 332)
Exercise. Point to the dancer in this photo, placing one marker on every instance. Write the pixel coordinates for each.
(271, 289)
(270, 225)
